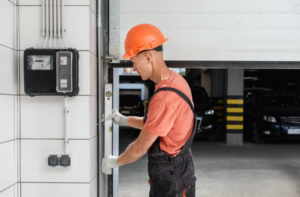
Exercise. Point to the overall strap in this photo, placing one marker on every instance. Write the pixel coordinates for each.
(181, 94)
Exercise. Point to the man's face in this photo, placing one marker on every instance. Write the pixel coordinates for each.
(142, 65)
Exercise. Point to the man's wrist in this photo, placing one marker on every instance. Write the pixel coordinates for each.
(123, 121)
(117, 162)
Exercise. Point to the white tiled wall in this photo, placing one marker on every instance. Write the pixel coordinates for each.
(55, 189)
(8, 94)
(59, 190)
(32, 128)
(7, 170)
(7, 118)
(43, 117)
(34, 161)
(80, 25)
(9, 192)
(8, 70)
(6, 23)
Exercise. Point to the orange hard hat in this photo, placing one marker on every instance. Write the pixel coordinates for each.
(142, 37)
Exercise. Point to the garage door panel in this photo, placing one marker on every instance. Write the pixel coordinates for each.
(220, 30)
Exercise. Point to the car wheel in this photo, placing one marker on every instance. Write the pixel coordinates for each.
(255, 136)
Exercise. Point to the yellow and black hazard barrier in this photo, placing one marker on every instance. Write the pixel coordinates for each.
(235, 114)
(218, 103)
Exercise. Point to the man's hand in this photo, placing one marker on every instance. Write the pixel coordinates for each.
(109, 162)
(118, 118)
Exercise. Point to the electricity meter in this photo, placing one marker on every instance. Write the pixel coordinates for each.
(51, 72)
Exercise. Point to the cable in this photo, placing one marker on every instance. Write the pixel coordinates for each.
(66, 125)
(47, 27)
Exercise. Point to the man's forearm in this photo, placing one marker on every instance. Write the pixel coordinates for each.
(135, 122)
(132, 154)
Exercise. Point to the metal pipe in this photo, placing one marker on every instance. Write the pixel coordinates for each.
(62, 21)
(47, 27)
(58, 21)
(43, 23)
(43, 16)
(54, 29)
(66, 125)
(51, 27)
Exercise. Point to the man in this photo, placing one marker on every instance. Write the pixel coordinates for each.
(168, 128)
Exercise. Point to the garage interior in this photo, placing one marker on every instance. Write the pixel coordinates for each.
(269, 168)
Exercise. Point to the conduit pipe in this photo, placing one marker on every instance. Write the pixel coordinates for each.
(47, 25)
(66, 125)
(54, 29)
(62, 22)
(51, 26)
(58, 21)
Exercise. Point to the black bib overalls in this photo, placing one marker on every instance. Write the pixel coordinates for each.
(172, 176)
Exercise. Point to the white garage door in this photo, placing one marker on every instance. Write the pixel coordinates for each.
(219, 30)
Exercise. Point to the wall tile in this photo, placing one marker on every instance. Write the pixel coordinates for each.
(93, 6)
(87, 73)
(8, 71)
(34, 161)
(93, 158)
(43, 117)
(54, 189)
(93, 188)
(7, 167)
(6, 23)
(77, 27)
(6, 118)
(93, 33)
(92, 75)
(10, 192)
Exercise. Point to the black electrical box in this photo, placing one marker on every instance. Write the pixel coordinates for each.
(51, 72)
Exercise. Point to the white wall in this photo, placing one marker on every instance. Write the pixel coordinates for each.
(220, 30)
(8, 97)
(32, 128)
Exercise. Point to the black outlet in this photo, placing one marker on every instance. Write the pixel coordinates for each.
(65, 161)
(53, 160)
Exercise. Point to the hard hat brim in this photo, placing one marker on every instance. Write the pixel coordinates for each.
(125, 56)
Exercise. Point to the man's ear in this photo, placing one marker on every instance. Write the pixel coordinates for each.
(149, 57)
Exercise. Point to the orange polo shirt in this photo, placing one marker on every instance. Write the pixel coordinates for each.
(169, 116)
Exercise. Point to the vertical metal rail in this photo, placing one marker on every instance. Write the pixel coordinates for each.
(114, 30)
(116, 130)
(108, 15)
(102, 51)
(114, 54)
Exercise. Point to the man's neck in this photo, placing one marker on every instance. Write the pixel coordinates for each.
(162, 73)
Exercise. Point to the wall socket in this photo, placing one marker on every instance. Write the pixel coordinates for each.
(59, 160)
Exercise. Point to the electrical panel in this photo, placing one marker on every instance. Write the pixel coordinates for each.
(51, 72)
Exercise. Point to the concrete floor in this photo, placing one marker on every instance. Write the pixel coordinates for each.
(251, 170)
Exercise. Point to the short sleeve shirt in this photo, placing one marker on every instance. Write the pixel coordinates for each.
(169, 116)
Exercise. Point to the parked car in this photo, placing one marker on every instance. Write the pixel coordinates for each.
(272, 115)
(207, 119)
(131, 105)
(249, 91)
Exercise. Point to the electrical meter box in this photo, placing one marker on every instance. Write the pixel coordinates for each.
(51, 72)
